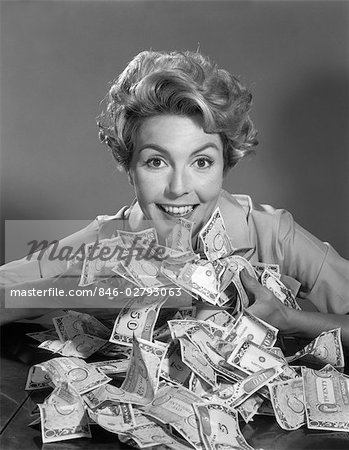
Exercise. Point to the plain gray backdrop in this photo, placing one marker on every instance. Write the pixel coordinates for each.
(59, 57)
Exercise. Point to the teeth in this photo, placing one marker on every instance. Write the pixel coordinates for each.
(181, 210)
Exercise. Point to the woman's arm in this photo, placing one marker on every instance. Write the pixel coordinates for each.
(305, 324)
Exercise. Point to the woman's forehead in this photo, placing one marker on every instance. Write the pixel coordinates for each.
(169, 131)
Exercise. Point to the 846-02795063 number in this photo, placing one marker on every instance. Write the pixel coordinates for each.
(140, 292)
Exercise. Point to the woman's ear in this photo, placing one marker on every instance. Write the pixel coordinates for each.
(130, 177)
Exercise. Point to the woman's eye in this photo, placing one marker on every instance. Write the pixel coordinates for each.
(155, 163)
(203, 163)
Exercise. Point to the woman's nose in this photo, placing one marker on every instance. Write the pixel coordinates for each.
(179, 183)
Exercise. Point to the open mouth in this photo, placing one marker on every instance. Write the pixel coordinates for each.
(177, 211)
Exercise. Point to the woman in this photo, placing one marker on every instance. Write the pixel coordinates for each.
(176, 124)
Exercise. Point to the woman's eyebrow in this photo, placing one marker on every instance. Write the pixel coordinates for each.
(164, 150)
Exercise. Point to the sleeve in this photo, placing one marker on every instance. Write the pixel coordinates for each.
(50, 261)
(322, 272)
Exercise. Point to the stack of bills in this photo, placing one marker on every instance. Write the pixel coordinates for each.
(156, 376)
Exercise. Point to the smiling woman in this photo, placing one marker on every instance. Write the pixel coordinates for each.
(176, 124)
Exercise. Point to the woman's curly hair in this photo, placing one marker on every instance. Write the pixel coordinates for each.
(181, 83)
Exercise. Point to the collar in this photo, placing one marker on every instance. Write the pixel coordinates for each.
(234, 216)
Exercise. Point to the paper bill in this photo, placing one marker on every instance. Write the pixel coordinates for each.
(288, 403)
(180, 236)
(271, 282)
(198, 386)
(54, 346)
(137, 318)
(146, 272)
(250, 407)
(42, 336)
(235, 394)
(215, 240)
(111, 367)
(196, 360)
(115, 418)
(252, 357)
(179, 328)
(326, 394)
(174, 405)
(325, 349)
(173, 369)
(62, 422)
(261, 267)
(247, 326)
(88, 271)
(37, 379)
(200, 277)
(74, 323)
(82, 346)
(143, 238)
(75, 372)
(221, 318)
(219, 427)
(152, 434)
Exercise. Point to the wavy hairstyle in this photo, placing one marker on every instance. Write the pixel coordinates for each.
(181, 83)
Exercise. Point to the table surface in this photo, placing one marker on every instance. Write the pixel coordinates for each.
(17, 406)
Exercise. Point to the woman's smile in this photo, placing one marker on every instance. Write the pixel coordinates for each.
(176, 170)
(178, 210)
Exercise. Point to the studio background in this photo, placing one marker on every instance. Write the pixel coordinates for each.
(58, 59)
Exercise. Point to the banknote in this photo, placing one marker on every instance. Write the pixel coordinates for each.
(219, 426)
(141, 379)
(62, 422)
(146, 272)
(196, 361)
(252, 357)
(202, 337)
(235, 394)
(142, 238)
(82, 346)
(247, 326)
(173, 404)
(121, 270)
(250, 407)
(214, 238)
(74, 371)
(199, 277)
(231, 287)
(271, 282)
(198, 386)
(88, 268)
(178, 328)
(46, 335)
(138, 317)
(111, 367)
(180, 236)
(206, 341)
(261, 267)
(115, 418)
(152, 434)
(326, 395)
(54, 346)
(173, 369)
(288, 403)
(222, 318)
(325, 349)
(37, 379)
(235, 264)
(74, 323)
(100, 258)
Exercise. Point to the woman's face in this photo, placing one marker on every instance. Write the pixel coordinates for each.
(176, 171)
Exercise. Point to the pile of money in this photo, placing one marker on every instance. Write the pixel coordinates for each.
(164, 378)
